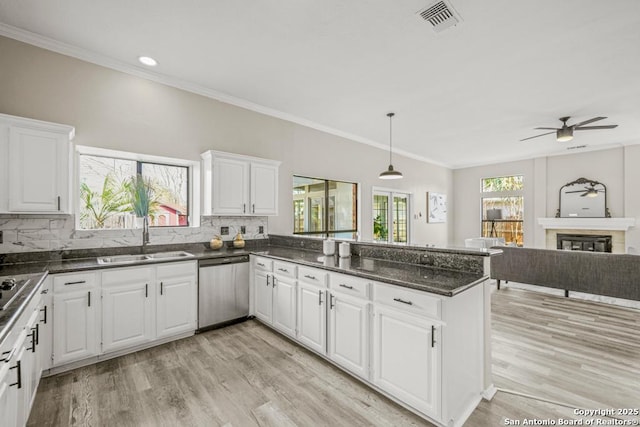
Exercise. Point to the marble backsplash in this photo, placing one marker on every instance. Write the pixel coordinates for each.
(32, 233)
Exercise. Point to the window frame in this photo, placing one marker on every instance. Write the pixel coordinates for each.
(325, 217)
(499, 195)
(193, 176)
(391, 193)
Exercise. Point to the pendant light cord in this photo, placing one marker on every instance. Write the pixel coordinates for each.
(390, 136)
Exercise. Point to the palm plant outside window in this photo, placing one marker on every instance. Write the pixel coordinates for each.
(503, 208)
(109, 193)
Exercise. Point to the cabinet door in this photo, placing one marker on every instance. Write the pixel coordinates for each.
(127, 315)
(31, 362)
(230, 187)
(406, 358)
(284, 305)
(19, 367)
(47, 153)
(264, 189)
(312, 317)
(45, 332)
(8, 395)
(75, 326)
(263, 296)
(177, 306)
(349, 333)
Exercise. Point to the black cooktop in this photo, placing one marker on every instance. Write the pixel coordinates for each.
(10, 288)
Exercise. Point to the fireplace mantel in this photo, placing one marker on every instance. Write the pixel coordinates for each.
(621, 224)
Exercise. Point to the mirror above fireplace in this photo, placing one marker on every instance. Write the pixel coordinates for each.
(583, 198)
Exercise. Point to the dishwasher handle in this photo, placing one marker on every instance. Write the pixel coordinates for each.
(223, 260)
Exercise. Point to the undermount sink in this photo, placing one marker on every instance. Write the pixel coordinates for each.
(128, 259)
(166, 255)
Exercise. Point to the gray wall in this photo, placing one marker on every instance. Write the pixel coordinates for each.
(114, 110)
(616, 167)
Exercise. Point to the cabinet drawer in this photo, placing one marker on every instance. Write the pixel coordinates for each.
(127, 275)
(312, 275)
(176, 269)
(263, 264)
(349, 285)
(73, 282)
(407, 299)
(284, 269)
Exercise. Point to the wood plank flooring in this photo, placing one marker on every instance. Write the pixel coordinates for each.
(574, 352)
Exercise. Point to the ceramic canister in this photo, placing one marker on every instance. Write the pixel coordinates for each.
(329, 247)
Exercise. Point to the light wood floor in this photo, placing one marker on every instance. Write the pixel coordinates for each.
(579, 353)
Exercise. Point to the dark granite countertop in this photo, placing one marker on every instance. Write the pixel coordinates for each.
(16, 308)
(428, 279)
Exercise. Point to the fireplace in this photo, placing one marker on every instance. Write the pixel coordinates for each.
(584, 242)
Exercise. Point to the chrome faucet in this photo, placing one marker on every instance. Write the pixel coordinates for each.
(145, 230)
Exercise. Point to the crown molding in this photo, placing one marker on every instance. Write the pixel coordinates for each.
(114, 64)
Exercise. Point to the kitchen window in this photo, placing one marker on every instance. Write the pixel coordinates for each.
(325, 208)
(390, 216)
(503, 208)
(105, 180)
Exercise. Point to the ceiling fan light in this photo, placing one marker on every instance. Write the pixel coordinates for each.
(390, 174)
(592, 192)
(564, 134)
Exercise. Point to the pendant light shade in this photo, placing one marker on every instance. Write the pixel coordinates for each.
(390, 173)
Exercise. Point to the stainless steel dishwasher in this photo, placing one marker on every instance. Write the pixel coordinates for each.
(223, 291)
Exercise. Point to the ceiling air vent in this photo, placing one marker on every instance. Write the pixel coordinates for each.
(440, 15)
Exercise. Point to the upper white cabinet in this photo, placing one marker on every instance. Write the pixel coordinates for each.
(239, 185)
(34, 166)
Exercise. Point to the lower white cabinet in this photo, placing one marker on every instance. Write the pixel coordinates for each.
(263, 296)
(100, 312)
(76, 333)
(176, 299)
(284, 304)
(312, 317)
(127, 308)
(406, 358)
(45, 332)
(349, 332)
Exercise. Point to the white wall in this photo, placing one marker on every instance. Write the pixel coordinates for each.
(616, 167)
(110, 109)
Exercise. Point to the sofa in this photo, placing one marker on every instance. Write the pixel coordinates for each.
(613, 275)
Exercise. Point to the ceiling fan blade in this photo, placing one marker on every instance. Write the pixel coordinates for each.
(578, 191)
(595, 127)
(543, 134)
(585, 194)
(548, 128)
(586, 122)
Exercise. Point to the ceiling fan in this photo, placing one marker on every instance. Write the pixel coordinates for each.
(588, 191)
(565, 133)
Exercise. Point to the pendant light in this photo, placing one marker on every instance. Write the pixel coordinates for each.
(390, 173)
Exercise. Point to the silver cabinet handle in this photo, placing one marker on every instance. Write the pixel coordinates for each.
(403, 301)
(45, 291)
(161, 288)
(342, 285)
(10, 353)
(79, 282)
(273, 281)
(244, 208)
(58, 202)
(310, 277)
(146, 290)
(89, 299)
(260, 264)
(283, 270)
(433, 336)
(254, 208)
(44, 319)
(319, 297)
(331, 303)
(268, 279)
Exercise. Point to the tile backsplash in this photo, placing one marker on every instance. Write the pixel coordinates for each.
(31, 233)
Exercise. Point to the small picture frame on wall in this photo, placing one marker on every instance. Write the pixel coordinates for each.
(436, 207)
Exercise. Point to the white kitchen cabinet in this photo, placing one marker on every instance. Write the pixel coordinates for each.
(406, 358)
(284, 304)
(8, 395)
(76, 332)
(45, 332)
(177, 299)
(239, 185)
(35, 166)
(312, 316)
(349, 332)
(127, 307)
(29, 367)
(263, 296)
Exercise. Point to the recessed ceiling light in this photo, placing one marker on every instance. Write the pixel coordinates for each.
(147, 60)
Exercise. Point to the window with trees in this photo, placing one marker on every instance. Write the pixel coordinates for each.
(390, 216)
(114, 191)
(503, 208)
(325, 208)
